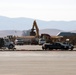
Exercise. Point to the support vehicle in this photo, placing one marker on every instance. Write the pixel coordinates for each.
(6, 43)
(57, 45)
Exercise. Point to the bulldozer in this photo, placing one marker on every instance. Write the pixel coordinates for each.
(35, 30)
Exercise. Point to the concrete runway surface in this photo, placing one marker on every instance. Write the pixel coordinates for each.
(30, 47)
(37, 62)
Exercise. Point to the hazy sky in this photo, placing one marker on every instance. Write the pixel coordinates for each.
(39, 9)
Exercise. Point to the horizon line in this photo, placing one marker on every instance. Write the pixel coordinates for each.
(36, 19)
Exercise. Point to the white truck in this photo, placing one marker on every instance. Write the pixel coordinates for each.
(6, 43)
(41, 41)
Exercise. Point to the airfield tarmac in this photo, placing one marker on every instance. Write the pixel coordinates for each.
(30, 47)
(37, 62)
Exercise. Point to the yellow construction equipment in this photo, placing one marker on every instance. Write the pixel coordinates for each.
(34, 27)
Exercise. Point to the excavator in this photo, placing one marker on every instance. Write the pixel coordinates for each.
(35, 30)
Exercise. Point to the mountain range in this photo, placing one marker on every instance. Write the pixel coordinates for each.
(22, 23)
(15, 26)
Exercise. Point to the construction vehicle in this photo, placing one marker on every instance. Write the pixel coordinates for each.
(34, 27)
(34, 32)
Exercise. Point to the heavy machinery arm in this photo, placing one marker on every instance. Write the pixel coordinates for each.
(36, 28)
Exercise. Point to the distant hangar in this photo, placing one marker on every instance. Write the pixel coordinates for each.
(66, 34)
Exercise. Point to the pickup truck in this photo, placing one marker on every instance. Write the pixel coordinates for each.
(56, 45)
(6, 43)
